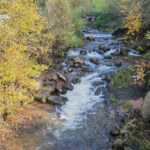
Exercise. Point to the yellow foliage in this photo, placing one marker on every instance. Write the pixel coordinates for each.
(20, 35)
(132, 16)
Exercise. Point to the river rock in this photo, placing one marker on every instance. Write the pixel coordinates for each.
(50, 83)
(83, 52)
(94, 61)
(80, 74)
(117, 53)
(70, 70)
(75, 80)
(118, 64)
(145, 110)
(103, 47)
(124, 51)
(107, 57)
(78, 60)
(85, 68)
(57, 100)
(101, 52)
(90, 38)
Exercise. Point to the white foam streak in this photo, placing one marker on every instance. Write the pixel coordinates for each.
(81, 99)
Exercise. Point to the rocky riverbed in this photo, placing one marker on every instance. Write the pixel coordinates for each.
(84, 117)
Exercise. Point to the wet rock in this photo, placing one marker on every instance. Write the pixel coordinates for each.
(118, 144)
(103, 47)
(56, 100)
(77, 65)
(78, 60)
(118, 64)
(83, 52)
(69, 87)
(145, 110)
(70, 70)
(107, 57)
(101, 52)
(124, 51)
(94, 61)
(50, 83)
(75, 80)
(85, 68)
(117, 53)
(70, 63)
(80, 74)
(90, 38)
(60, 87)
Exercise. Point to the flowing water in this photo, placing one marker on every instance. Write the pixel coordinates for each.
(85, 121)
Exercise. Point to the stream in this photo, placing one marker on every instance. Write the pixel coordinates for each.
(85, 121)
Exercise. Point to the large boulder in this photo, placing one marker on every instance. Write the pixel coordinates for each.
(49, 84)
(145, 110)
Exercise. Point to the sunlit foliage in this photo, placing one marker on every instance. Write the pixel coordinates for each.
(19, 35)
(131, 11)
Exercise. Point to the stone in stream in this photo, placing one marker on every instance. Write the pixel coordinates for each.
(145, 110)
(75, 80)
(83, 52)
(118, 64)
(117, 53)
(78, 60)
(90, 38)
(103, 47)
(80, 74)
(101, 52)
(70, 70)
(94, 61)
(124, 50)
(107, 57)
(49, 83)
(85, 68)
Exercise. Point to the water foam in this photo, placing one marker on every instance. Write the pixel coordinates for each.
(81, 99)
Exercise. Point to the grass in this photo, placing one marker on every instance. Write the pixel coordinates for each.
(105, 17)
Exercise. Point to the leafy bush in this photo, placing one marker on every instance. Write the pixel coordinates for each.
(20, 35)
(131, 11)
(122, 78)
